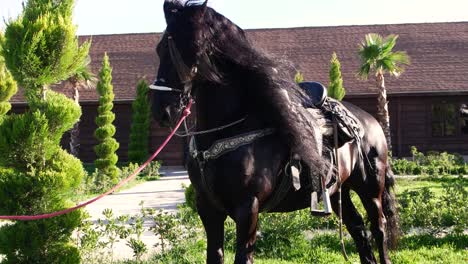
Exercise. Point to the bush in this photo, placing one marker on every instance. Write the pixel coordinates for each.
(106, 158)
(151, 172)
(435, 214)
(335, 88)
(433, 163)
(35, 175)
(8, 86)
(40, 49)
(139, 132)
(190, 197)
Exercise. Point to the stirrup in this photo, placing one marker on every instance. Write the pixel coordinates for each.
(314, 210)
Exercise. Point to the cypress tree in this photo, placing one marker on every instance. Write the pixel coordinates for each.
(42, 46)
(139, 132)
(335, 88)
(105, 151)
(298, 78)
(40, 49)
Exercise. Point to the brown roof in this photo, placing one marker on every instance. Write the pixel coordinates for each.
(438, 51)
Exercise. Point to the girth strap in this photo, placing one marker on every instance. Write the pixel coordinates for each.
(219, 148)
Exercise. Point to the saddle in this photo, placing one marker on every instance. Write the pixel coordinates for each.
(349, 127)
(336, 119)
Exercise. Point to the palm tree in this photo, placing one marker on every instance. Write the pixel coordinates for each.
(83, 78)
(377, 56)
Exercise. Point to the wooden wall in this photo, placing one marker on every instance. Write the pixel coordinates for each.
(410, 122)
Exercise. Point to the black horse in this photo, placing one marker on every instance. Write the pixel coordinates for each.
(243, 136)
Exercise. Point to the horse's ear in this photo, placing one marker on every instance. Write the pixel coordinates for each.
(200, 11)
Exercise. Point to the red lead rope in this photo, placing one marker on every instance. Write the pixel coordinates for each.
(44, 216)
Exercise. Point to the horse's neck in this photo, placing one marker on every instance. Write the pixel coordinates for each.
(220, 106)
(217, 106)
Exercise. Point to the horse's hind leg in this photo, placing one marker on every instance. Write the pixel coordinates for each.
(355, 225)
(371, 197)
(213, 221)
(246, 218)
(377, 220)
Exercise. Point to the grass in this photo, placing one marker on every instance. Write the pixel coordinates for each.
(415, 184)
(326, 249)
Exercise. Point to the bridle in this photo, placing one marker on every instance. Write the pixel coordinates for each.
(186, 76)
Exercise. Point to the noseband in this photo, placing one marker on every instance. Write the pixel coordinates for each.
(185, 74)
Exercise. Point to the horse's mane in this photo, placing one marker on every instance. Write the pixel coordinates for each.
(224, 43)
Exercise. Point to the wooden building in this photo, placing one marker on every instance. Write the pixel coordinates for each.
(424, 101)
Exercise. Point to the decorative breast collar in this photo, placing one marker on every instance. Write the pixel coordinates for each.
(223, 146)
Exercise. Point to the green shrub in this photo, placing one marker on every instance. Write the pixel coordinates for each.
(424, 209)
(433, 164)
(335, 88)
(35, 176)
(8, 86)
(190, 197)
(40, 48)
(139, 131)
(151, 172)
(106, 158)
(126, 171)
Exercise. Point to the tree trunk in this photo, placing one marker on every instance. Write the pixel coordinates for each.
(75, 131)
(44, 92)
(382, 109)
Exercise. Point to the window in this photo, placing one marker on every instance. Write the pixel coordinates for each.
(464, 119)
(444, 120)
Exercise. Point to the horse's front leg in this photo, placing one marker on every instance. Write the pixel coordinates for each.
(213, 221)
(246, 218)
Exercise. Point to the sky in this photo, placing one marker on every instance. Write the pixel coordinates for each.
(95, 17)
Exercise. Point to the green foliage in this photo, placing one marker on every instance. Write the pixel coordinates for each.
(424, 209)
(83, 75)
(35, 175)
(97, 243)
(377, 55)
(433, 164)
(298, 78)
(151, 172)
(106, 150)
(335, 88)
(190, 197)
(166, 227)
(41, 46)
(139, 131)
(8, 86)
(297, 237)
(280, 233)
(136, 244)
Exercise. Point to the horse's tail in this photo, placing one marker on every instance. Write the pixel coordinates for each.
(389, 206)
